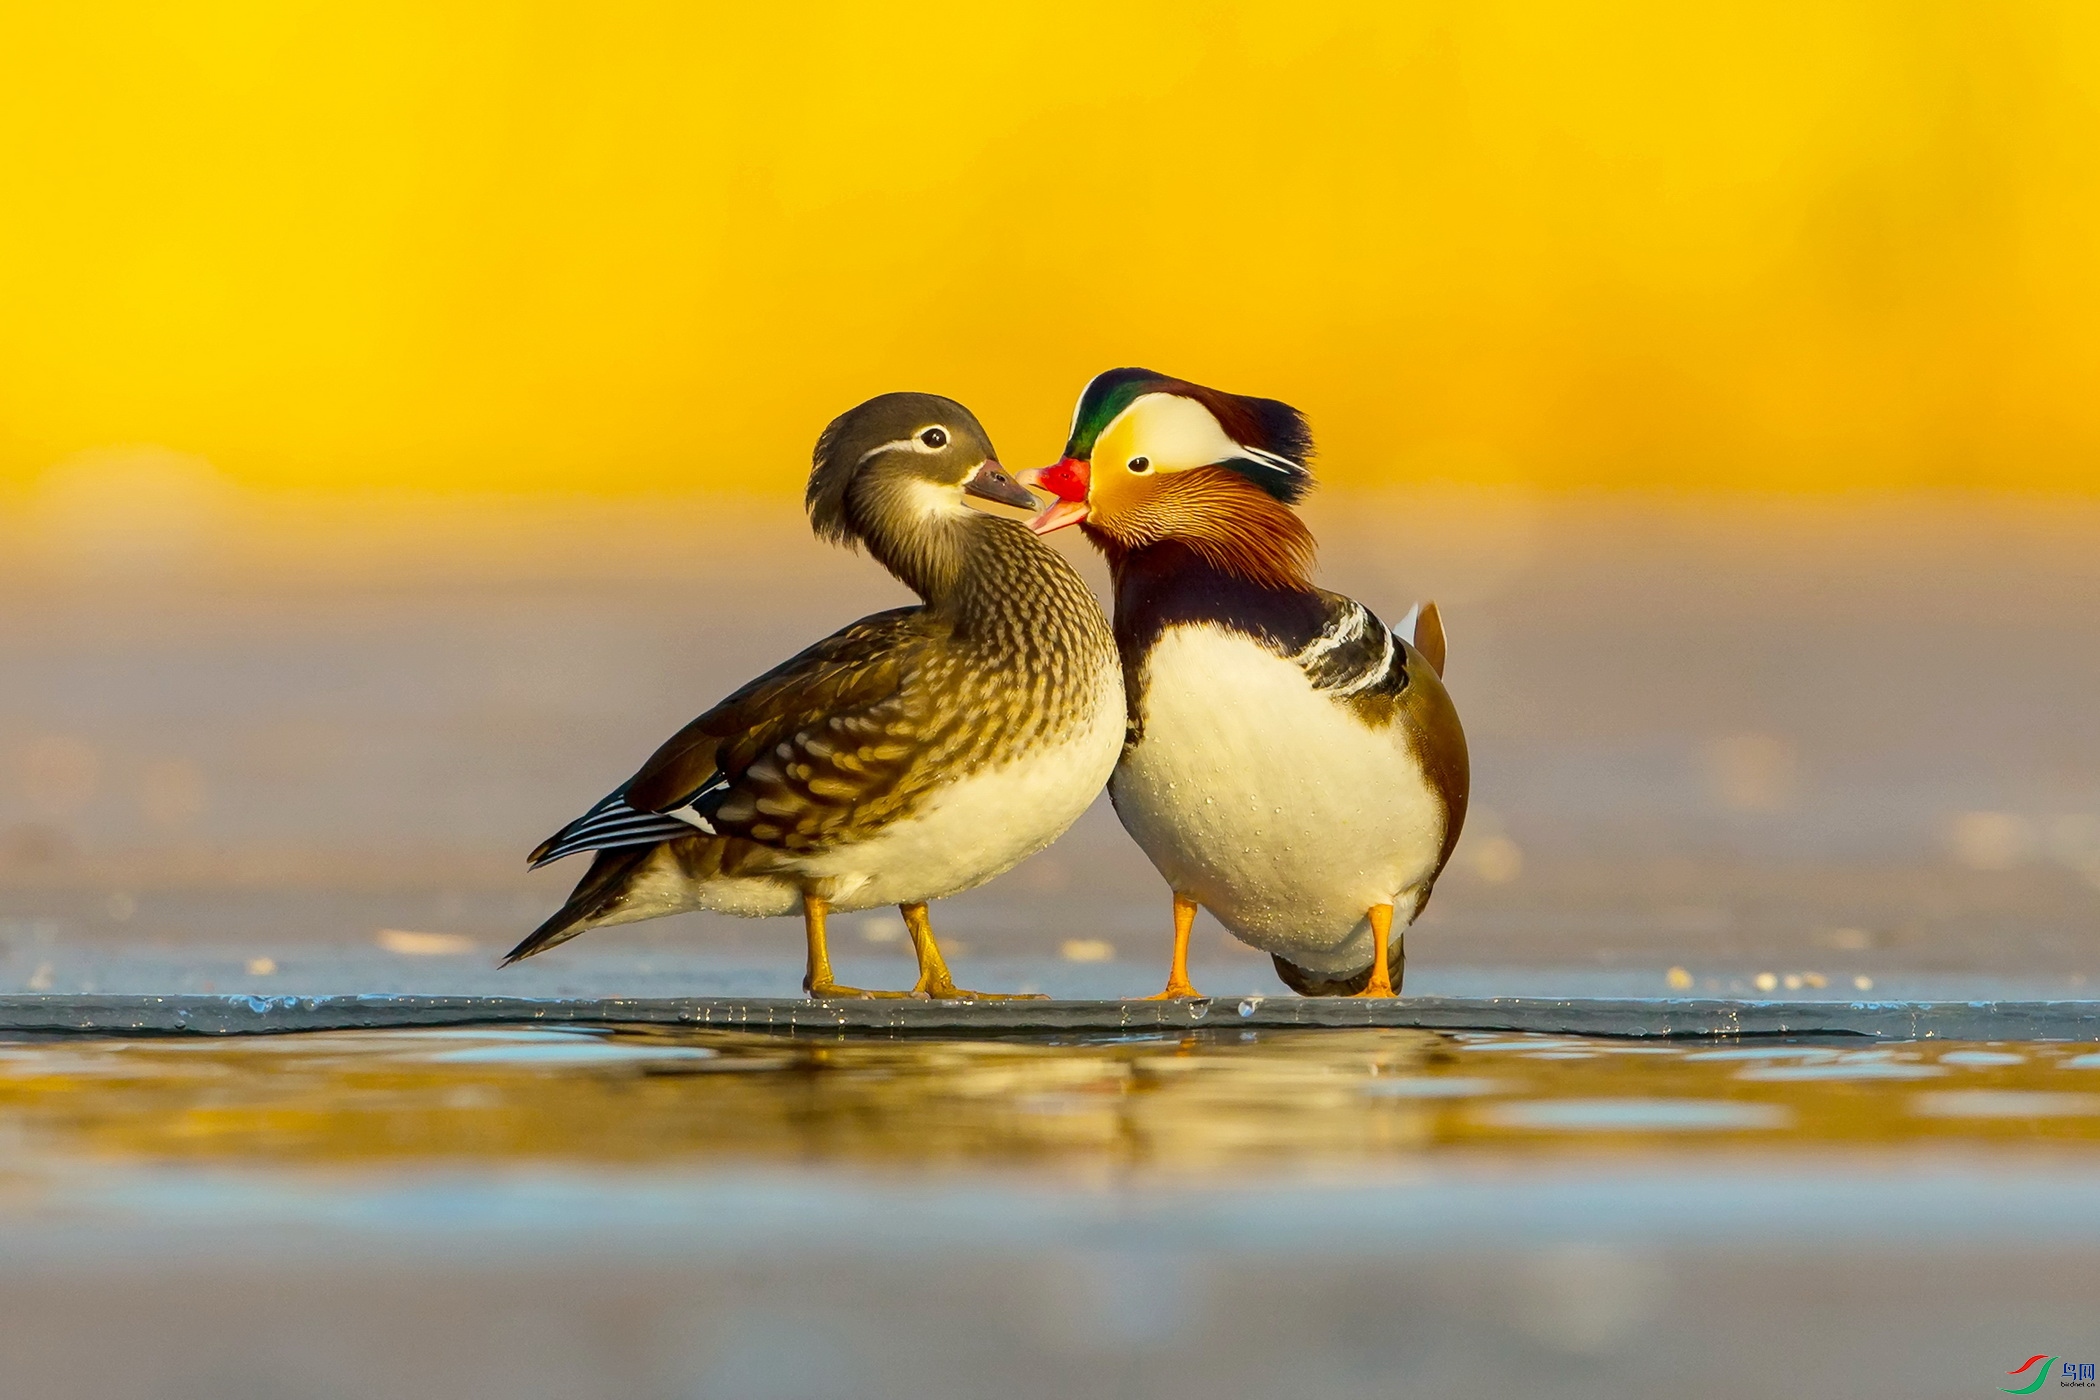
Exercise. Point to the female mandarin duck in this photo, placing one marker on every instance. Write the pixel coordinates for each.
(916, 754)
(1292, 764)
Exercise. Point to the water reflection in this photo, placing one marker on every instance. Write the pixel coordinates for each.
(1310, 1100)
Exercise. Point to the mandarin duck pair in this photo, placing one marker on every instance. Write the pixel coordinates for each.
(1285, 759)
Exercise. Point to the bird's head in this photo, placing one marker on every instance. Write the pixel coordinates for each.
(1152, 458)
(898, 461)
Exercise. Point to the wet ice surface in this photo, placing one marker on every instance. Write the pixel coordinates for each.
(306, 968)
(334, 1112)
(683, 1214)
(100, 1129)
(835, 1218)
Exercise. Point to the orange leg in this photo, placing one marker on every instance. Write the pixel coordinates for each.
(817, 981)
(934, 979)
(1178, 976)
(1381, 983)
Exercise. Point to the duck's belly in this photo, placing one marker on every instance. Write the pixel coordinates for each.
(663, 887)
(977, 828)
(1272, 804)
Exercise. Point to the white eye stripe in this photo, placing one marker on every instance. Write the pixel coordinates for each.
(1270, 459)
(911, 442)
(1174, 433)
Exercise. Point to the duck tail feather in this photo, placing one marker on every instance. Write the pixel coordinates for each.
(1423, 629)
(599, 893)
(1319, 984)
(1315, 984)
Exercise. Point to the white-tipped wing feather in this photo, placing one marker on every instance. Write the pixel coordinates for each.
(613, 824)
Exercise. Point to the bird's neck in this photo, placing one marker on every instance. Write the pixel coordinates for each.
(1215, 521)
(927, 554)
(989, 577)
(1171, 582)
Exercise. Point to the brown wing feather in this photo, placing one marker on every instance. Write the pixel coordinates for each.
(812, 746)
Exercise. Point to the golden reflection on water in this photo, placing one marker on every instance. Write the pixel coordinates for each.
(1296, 1098)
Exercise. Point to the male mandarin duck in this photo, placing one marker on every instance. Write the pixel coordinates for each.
(918, 753)
(1292, 764)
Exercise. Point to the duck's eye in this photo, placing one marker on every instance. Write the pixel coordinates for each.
(934, 437)
(1141, 465)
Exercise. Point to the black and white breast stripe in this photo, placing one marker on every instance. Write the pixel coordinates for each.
(613, 824)
(1354, 652)
(1341, 646)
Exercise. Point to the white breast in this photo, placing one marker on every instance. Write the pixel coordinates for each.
(1271, 803)
(983, 825)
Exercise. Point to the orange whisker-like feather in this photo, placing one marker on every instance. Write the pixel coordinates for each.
(1223, 518)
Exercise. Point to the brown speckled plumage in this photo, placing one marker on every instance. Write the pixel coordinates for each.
(1005, 657)
(853, 733)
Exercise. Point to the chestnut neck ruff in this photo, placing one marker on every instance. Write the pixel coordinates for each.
(1227, 522)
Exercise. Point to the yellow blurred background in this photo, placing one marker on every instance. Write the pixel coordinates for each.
(636, 246)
